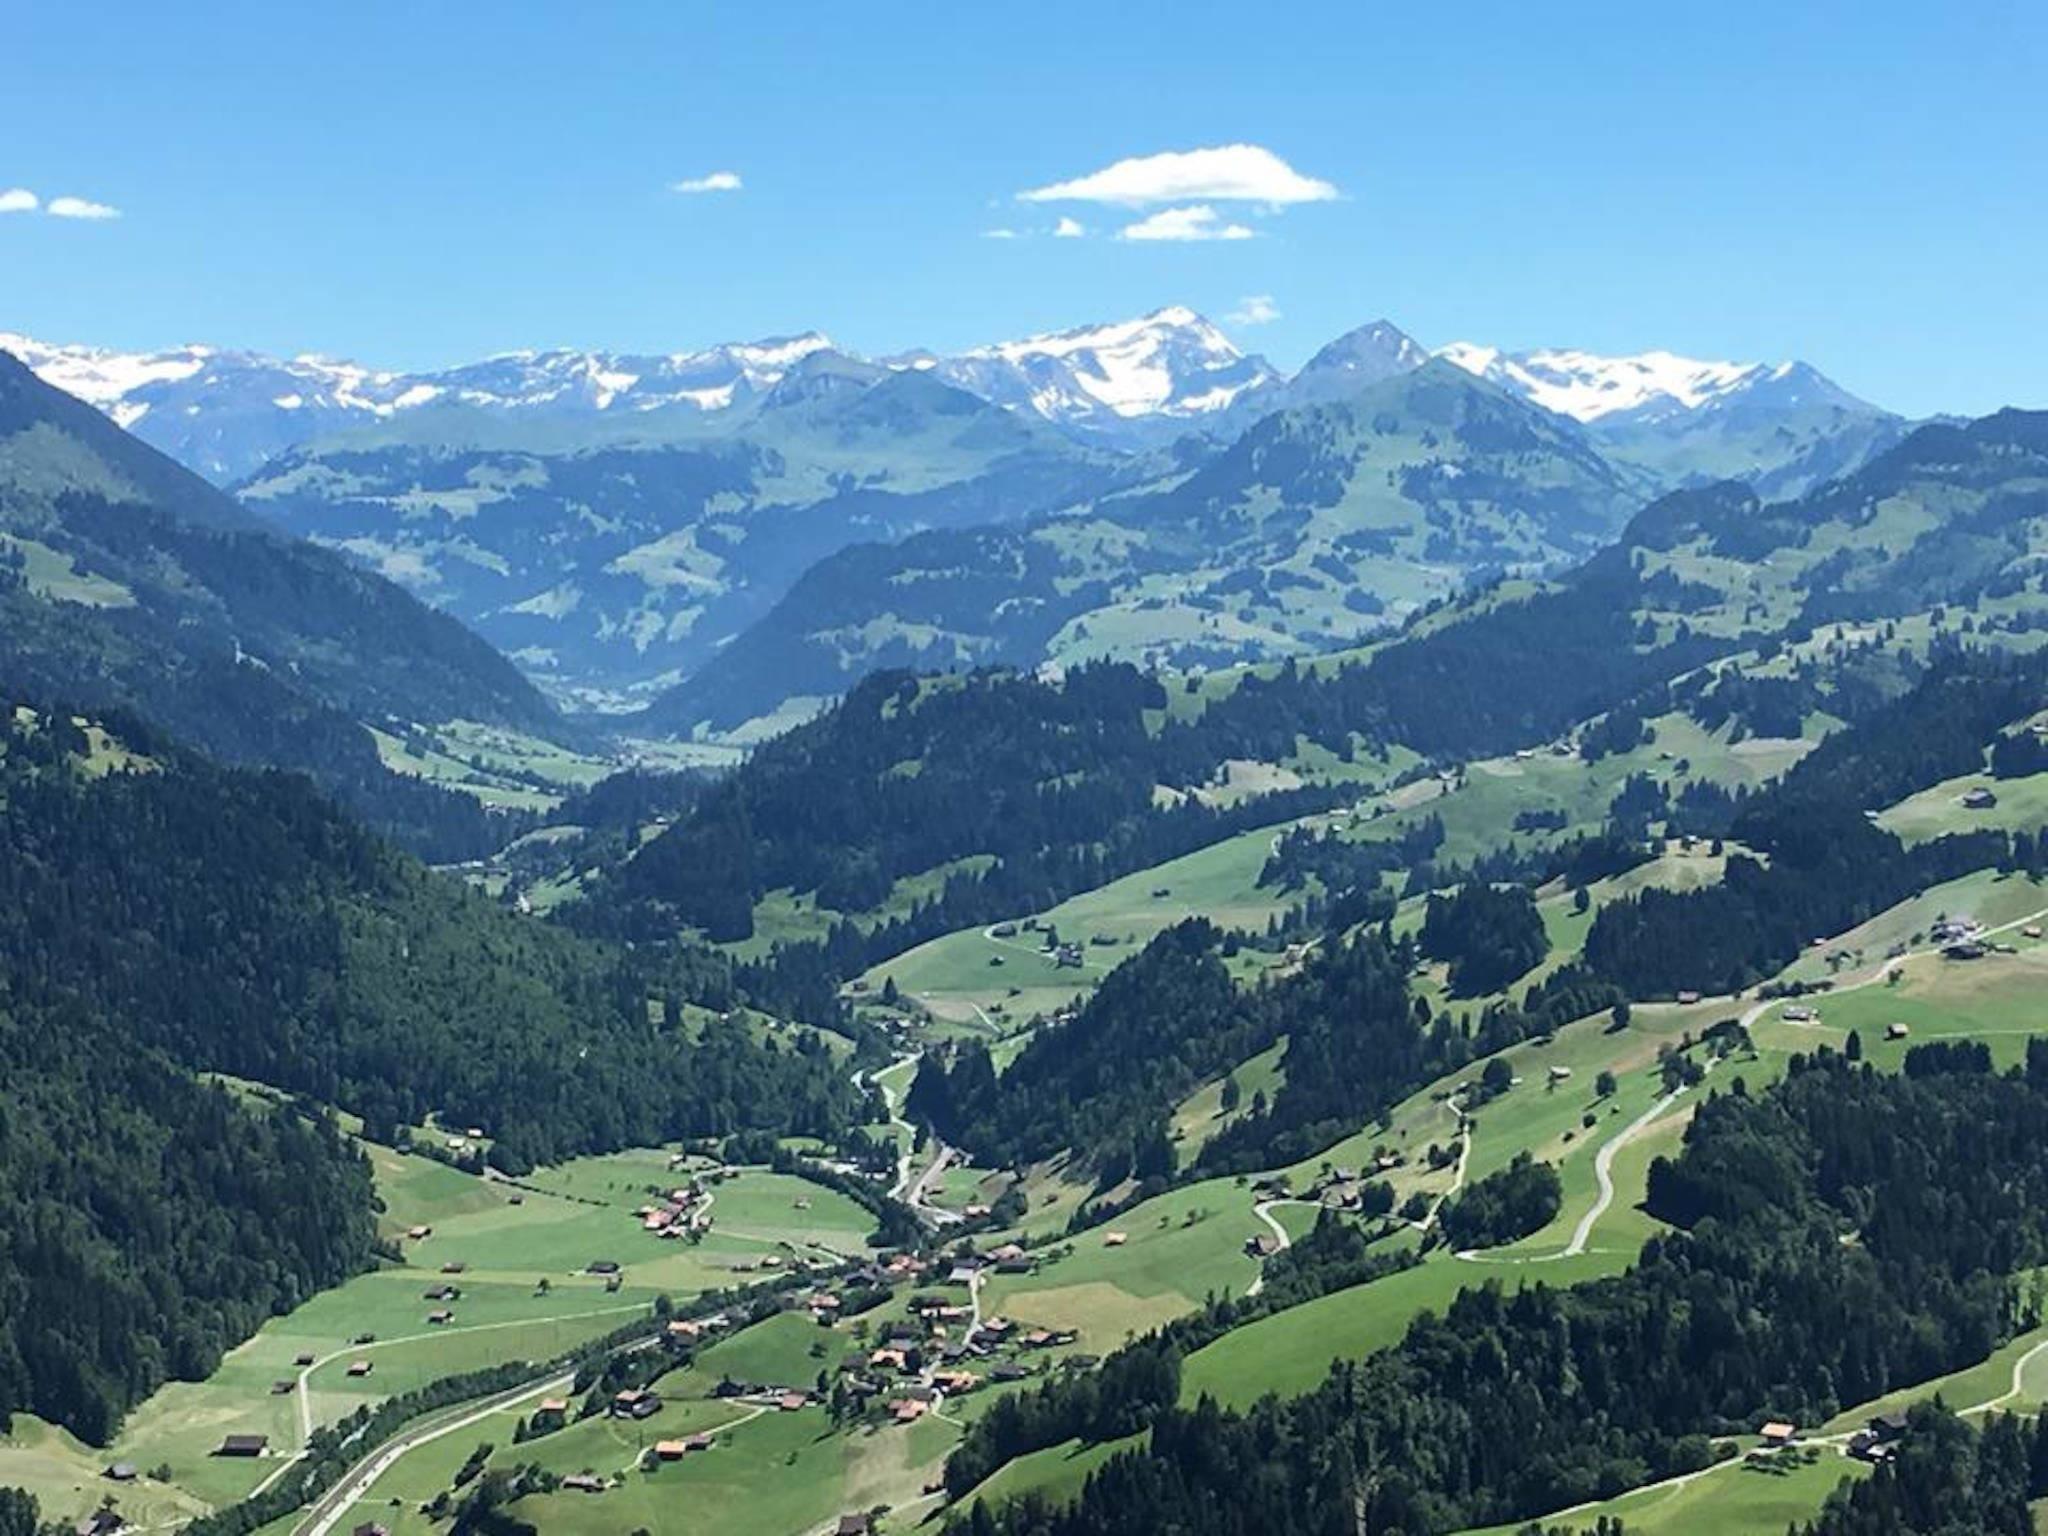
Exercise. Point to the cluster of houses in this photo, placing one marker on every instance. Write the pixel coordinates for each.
(1960, 938)
(1336, 1185)
(1877, 1442)
(681, 1211)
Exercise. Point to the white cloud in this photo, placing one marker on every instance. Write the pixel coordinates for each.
(717, 181)
(19, 200)
(999, 234)
(1068, 229)
(1200, 222)
(1243, 173)
(1254, 309)
(81, 208)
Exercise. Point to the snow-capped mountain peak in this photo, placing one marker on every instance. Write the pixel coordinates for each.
(1172, 363)
(1588, 386)
(225, 412)
(1127, 383)
(104, 377)
(1358, 359)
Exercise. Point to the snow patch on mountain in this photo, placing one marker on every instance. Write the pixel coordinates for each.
(99, 375)
(224, 412)
(1129, 383)
(1587, 386)
(1171, 363)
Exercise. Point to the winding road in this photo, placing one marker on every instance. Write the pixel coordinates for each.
(910, 1190)
(1457, 1108)
(1603, 1170)
(1840, 1437)
(1264, 1211)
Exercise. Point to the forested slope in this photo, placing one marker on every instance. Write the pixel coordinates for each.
(126, 581)
(1784, 1295)
(150, 1221)
(238, 922)
(161, 916)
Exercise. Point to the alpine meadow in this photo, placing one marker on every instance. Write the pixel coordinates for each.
(913, 772)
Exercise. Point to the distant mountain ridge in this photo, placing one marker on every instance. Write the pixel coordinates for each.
(1125, 384)
(1322, 524)
(618, 523)
(222, 412)
(610, 567)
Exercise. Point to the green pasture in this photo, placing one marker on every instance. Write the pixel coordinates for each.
(778, 1474)
(1200, 1116)
(1181, 1246)
(1934, 812)
(1988, 896)
(67, 1478)
(2001, 999)
(1736, 1498)
(786, 1350)
(952, 975)
(1291, 1352)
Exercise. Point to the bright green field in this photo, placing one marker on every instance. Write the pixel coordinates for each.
(1201, 1116)
(2001, 999)
(1182, 1245)
(778, 1474)
(501, 1315)
(64, 1474)
(1292, 1351)
(753, 1213)
(1055, 1473)
(494, 1321)
(2022, 806)
(1480, 806)
(952, 976)
(787, 1350)
(1989, 897)
(1732, 1500)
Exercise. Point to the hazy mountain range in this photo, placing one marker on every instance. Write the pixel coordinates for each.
(223, 412)
(128, 583)
(620, 523)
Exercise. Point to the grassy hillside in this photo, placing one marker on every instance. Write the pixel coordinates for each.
(609, 557)
(1320, 524)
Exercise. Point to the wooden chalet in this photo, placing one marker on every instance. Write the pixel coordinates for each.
(635, 1403)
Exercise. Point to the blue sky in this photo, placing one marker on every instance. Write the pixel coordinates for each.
(1858, 185)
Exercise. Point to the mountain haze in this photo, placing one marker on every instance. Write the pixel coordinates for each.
(1322, 524)
(608, 564)
(130, 582)
(621, 524)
